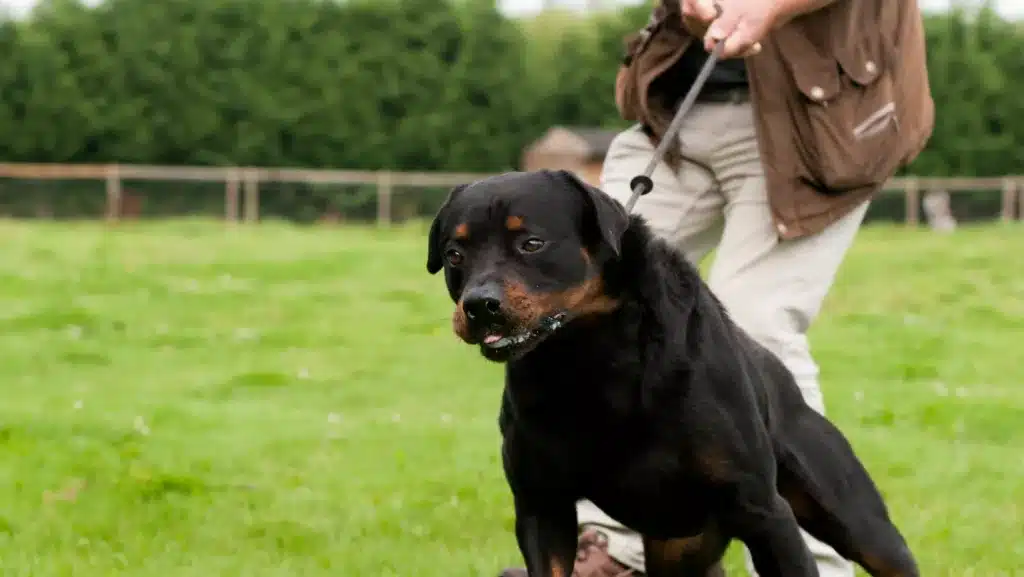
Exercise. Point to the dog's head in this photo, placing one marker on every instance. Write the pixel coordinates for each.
(523, 254)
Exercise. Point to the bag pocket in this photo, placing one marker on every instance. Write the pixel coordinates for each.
(847, 116)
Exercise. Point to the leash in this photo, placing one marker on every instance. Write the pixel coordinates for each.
(641, 184)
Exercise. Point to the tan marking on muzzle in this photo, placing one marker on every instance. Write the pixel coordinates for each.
(526, 308)
(459, 325)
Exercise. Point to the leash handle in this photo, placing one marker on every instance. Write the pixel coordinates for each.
(642, 184)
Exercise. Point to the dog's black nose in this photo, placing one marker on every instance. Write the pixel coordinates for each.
(483, 305)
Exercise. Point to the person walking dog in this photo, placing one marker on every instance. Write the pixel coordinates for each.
(813, 106)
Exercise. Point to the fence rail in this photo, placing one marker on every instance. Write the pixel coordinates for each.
(242, 184)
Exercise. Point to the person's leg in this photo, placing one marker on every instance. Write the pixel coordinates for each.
(774, 289)
(684, 207)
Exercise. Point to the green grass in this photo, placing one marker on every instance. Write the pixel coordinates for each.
(188, 400)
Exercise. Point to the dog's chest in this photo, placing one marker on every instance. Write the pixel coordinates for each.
(649, 484)
(590, 430)
(655, 490)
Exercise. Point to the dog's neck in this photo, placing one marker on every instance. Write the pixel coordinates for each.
(655, 288)
(570, 379)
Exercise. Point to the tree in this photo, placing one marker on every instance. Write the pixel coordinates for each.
(400, 84)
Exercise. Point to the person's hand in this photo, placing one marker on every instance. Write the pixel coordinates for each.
(742, 25)
(698, 15)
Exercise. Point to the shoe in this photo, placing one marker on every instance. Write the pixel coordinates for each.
(592, 560)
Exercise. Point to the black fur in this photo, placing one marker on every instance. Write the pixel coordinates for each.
(660, 410)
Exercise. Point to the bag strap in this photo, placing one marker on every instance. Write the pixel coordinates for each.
(640, 40)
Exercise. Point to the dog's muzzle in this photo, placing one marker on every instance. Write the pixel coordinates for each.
(547, 326)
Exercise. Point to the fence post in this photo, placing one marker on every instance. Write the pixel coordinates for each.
(231, 196)
(912, 198)
(113, 177)
(1009, 200)
(1020, 200)
(384, 194)
(251, 190)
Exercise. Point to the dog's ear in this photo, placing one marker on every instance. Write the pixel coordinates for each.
(601, 211)
(434, 238)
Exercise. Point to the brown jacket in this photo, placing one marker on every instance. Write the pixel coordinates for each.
(841, 98)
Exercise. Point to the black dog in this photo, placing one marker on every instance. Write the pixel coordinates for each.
(616, 351)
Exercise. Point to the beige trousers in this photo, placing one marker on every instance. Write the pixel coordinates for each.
(772, 288)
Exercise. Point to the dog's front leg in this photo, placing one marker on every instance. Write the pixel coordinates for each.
(547, 537)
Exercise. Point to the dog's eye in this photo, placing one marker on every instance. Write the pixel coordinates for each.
(532, 245)
(454, 257)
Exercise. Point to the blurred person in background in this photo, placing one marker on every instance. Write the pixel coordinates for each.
(814, 105)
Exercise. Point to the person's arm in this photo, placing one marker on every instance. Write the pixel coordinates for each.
(743, 23)
(789, 9)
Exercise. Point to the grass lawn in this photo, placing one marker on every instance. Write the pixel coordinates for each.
(185, 400)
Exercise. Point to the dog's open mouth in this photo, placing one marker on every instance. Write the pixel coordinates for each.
(496, 341)
(523, 339)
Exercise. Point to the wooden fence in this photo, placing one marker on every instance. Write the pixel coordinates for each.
(242, 184)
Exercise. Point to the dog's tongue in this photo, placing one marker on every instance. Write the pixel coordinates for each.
(491, 339)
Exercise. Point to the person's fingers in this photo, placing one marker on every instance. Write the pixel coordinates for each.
(739, 41)
(698, 14)
(701, 10)
(735, 32)
(707, 10)
(721, 28)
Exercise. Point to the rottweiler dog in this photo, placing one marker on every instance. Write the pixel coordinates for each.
(615, 350)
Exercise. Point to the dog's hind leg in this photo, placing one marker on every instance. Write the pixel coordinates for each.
(835, 499)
